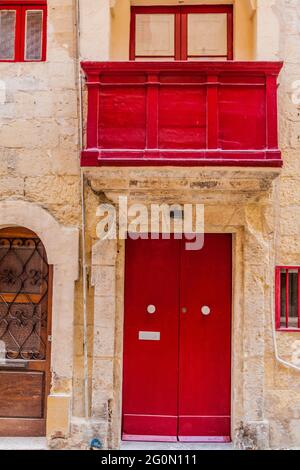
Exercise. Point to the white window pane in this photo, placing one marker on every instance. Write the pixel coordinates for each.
(7, 34)
(207, 34)
(155, 35)
(33, 38)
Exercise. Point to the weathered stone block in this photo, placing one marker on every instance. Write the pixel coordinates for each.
(104, 342)
(58, 416)
(104, 311)
(104, 254)
(104, 280)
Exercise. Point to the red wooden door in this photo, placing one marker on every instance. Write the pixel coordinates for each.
(176, 380)
(205, 331)
(150, 378)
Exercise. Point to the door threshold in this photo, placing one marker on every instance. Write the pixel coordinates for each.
(174, 446)
(147, 438)
(186, 439)
(23, 443)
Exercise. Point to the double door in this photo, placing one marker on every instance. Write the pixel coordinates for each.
(177, 340)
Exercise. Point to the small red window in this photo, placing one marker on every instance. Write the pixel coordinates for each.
(23, 30)
(287, 298)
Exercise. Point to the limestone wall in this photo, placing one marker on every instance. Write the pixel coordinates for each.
(39, 126)
(282, 385)
(39, 163)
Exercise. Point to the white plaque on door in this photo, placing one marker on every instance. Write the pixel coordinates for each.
(149, 335)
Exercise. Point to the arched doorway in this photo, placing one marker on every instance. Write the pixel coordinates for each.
(25, 333)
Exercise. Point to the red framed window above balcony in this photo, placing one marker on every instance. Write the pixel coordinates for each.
(23, 30)
(287, 298)
(182, 33)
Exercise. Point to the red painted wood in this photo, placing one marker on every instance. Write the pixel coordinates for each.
(93, 110)
(230, 35)
(287, 298)
(271, 111)
(298, 298)
(132, 38)
(205, 341)
(178, 35)
(23, 2)
(178, 158)
(277, 297)
(151, 367)
(206, 113)
(21, 38)
(152, 111)
(212, 123)
(181, 117)
(44, 44)
(242, 113)
(183, 35)
(164, 399)
(21, 6)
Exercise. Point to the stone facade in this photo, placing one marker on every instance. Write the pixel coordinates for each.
(40, 188)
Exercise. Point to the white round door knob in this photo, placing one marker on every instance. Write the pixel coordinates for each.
(205, 310)
(151, 309)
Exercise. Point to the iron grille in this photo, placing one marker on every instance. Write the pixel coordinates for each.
(24, 279)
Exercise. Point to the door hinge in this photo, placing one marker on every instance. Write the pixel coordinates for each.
(50, 339)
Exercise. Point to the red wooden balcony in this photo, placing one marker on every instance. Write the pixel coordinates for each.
(182, 113)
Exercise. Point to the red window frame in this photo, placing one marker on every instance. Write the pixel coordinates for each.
(181, 18)
(278, 299)
(21, 7)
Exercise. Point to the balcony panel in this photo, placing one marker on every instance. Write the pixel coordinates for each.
(182, 113)
(122, 118)
(181, 118)
(242, 118)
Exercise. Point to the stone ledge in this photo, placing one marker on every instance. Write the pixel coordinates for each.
(254, 180)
